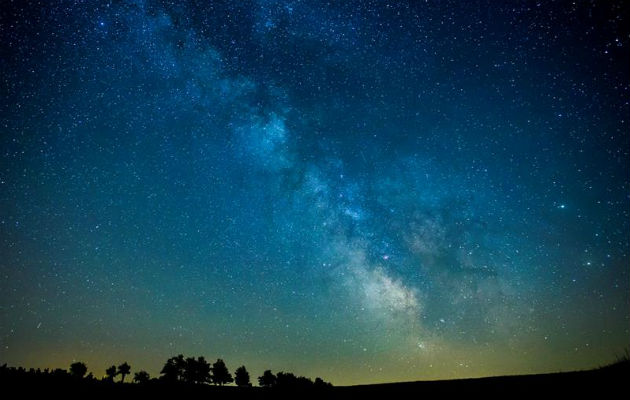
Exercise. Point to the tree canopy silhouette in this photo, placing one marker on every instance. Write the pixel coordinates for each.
(286, 380)
(78, 369)
(196, 370)
(173, 369)
(321, 384)
(289, 381)
(268, 379)
(220, 373)
(141, 377)
(111, 373)
(124, 369)
(241, 377)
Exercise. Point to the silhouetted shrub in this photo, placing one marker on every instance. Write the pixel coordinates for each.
(141, 377)
(58, 372)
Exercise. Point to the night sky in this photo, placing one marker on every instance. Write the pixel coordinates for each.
(366, 191)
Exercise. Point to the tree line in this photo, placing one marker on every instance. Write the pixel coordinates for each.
(184, 370)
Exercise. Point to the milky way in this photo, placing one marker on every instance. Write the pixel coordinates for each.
(364, 191)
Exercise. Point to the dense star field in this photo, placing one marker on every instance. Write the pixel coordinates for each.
(366, 191)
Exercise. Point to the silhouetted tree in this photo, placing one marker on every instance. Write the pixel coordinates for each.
(268, 379)
(196, 370)
(190, 370)
(141, 377)
(111, 373)
(220, 373)
(174, 368)
(286, 380)
(124, 369)
(78, 369)
(241, 377)
(303, 382)
(321, 384)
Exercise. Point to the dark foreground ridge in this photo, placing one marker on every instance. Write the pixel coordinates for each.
(604, 382)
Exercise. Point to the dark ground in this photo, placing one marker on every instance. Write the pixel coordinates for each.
(606, 382)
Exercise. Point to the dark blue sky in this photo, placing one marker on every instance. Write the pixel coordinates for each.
(366, 191)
